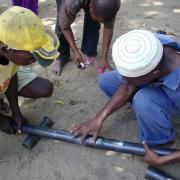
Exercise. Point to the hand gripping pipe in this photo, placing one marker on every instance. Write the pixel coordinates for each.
(153, 173)
(101, 143)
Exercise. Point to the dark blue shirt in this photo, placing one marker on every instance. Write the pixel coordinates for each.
(171, 82)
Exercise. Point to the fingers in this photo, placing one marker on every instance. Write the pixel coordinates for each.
(81, 66)
(106, 66)
(146, 147)
(74, 128)
(78, 130)
(80, 63)
(95, 137)
(83, 137)
(75, 131)
(78, 58)
(103, 68)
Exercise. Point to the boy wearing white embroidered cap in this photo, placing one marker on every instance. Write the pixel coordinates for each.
(148, 76)
(23, 41)
(136, 53)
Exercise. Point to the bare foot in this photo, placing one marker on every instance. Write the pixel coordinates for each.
(57, 67)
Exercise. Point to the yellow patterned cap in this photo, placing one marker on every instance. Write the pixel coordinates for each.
(21, 29)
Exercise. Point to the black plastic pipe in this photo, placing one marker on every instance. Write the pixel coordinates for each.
(153, 173)
(101, 143)
(31, 140)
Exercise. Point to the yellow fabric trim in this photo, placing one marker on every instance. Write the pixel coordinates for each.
(6, 73)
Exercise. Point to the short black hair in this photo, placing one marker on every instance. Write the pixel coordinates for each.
(106, 9)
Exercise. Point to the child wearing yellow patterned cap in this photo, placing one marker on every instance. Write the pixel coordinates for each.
(23, 41)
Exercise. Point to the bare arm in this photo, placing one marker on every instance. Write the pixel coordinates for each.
(67, 16)
(119, 99)
(154, 159)
(67, 31)
(174, 157)
(94, 125)
(12, 96)
(70, 38)
(107, 36)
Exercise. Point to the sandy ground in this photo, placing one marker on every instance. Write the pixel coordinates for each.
(57, 160)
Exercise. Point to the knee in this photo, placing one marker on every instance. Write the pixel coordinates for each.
(141, 102)
(101, 81)
(47, 89)
(105, 80)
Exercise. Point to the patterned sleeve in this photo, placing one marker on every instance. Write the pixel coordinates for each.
(68, 11)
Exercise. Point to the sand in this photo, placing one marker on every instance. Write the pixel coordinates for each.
(82, 98)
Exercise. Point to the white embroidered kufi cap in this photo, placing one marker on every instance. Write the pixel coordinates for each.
(137, 53)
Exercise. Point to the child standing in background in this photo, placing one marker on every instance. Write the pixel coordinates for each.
(29, 4)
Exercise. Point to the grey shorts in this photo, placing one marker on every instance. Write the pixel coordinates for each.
(25, 76)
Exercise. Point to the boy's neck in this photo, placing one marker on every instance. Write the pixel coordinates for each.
(172, 59)
(169, 63)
